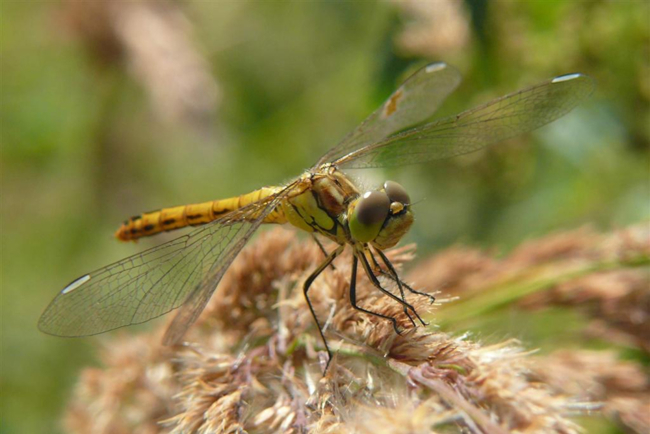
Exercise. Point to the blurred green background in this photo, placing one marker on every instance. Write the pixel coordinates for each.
(114, 108)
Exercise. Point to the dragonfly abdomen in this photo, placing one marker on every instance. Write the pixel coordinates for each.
(168, 219)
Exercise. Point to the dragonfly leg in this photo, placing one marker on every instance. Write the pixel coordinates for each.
(322, 249)
(393, 275)
(353, 297)
(373, 279)
(399, 285)
(328, 260)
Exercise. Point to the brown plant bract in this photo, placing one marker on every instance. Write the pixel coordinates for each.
(252, 362)
(130, 395)
(622, 386)
(617, 300)
(577, 268)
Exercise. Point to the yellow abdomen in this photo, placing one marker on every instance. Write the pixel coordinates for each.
(177, 217)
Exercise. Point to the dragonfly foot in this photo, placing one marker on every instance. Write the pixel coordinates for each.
(397, 330)
(406, 312)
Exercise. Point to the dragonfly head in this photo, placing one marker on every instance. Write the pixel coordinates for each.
(381, 217)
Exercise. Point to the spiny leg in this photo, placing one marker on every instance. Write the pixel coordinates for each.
(322, 248)
(393, 275)
(399, 284)
(373, 279)
(328, 260)
(353, 297)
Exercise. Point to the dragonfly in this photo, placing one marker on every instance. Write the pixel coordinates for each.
(182, 274)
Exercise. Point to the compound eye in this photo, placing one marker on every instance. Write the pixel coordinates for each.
(396, 193)
(372, 208)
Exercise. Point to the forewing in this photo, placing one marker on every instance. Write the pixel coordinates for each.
(413, 102)
(474, 129)
(156, 281)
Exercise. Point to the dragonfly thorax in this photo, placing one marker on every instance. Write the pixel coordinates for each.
(380, 217)
(326, 201)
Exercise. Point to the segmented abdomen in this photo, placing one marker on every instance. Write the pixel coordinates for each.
(168, 219)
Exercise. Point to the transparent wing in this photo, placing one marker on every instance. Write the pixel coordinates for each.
(156, 281)
(415, 101)
(471, 130)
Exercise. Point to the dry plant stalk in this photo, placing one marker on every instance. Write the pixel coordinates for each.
(154, 39)
(622, 386)
(603, 275)
(434, 29)
(253, 362)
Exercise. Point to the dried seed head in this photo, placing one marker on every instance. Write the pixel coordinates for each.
(253, 361)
